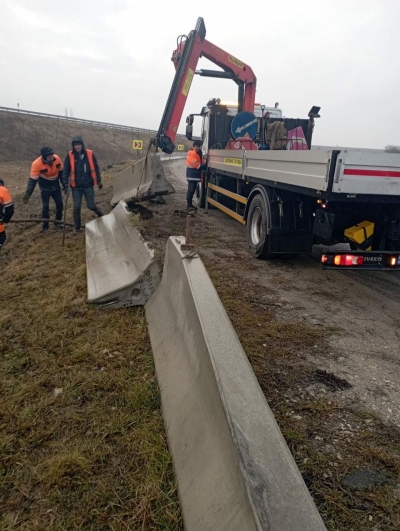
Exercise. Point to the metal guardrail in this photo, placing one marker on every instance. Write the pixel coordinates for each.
(81, 121)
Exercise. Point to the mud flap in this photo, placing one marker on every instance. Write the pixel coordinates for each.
(121, 269)
(142, 181)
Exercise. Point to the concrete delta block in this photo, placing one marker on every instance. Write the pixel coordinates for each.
(142, 181)
(121, 269)
(233, 467)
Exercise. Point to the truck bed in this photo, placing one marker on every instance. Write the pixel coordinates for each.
(342, 174)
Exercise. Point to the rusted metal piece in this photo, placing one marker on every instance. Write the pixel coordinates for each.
(187, 246)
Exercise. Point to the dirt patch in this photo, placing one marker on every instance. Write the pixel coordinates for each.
(331, 381)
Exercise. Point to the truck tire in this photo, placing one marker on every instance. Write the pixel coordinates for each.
(257, 225)
(201, 195)
(257, 233)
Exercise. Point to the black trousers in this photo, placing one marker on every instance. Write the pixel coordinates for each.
(3, 238)
(57, 196)
(192, 185)
(77, 196)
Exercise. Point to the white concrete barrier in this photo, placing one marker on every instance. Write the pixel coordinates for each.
(233, 467)
(121, 269)
(142, 181)
(165, 158)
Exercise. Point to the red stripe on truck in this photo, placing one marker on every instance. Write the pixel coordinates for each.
(372, 173)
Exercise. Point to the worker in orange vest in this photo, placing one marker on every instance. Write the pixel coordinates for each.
(193, 172)
(6, 211)
(46, 170)
(83, 173)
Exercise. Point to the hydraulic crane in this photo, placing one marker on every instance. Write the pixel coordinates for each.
(185, 58)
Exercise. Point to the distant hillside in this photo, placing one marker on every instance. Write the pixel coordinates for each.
(22, 136)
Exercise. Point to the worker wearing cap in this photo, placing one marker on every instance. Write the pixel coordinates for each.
(83, 173)
(6, 211)
(47, 171)
(193, 172)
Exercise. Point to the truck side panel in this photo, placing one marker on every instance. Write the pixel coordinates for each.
(367, 173)
(306, 169)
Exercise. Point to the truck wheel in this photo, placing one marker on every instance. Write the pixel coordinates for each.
(257, 237)
(201, 195)
(257, 224)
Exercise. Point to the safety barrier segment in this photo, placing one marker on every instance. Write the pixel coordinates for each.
(142, 181)
(233, 467)
(121, 269)
(166, 158)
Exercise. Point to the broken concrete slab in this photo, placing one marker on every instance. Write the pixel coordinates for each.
(233, 467)
(121, 268)
(142, 181)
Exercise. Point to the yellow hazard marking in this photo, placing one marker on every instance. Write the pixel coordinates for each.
(181, 147)
(137, 144)
(232, 161)
(238, 197)
(228, 211)
(188, 82)
(235, 61)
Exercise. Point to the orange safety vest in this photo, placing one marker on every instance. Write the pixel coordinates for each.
(193, 163)
(40, 169)
(193, 159)
(5, 201)
(89, 153)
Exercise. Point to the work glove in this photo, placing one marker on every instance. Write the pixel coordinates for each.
(100, 186)
(26, 198)
(65, 190)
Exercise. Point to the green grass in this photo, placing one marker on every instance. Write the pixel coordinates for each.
(82, 440)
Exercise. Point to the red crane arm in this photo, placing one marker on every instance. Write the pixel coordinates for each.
(185, 59)
(242, 72)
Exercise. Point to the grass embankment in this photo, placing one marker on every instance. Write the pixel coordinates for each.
(82, 439)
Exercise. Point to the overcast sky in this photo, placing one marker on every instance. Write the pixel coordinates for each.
(110, 60)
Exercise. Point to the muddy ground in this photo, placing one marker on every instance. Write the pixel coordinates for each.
(362, 310)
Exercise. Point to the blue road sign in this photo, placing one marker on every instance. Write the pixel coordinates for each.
(244, 122)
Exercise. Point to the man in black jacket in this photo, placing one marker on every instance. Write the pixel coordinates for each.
(83, 173)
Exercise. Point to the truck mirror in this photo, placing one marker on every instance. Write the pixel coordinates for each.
(189, 119)
(189, 131)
